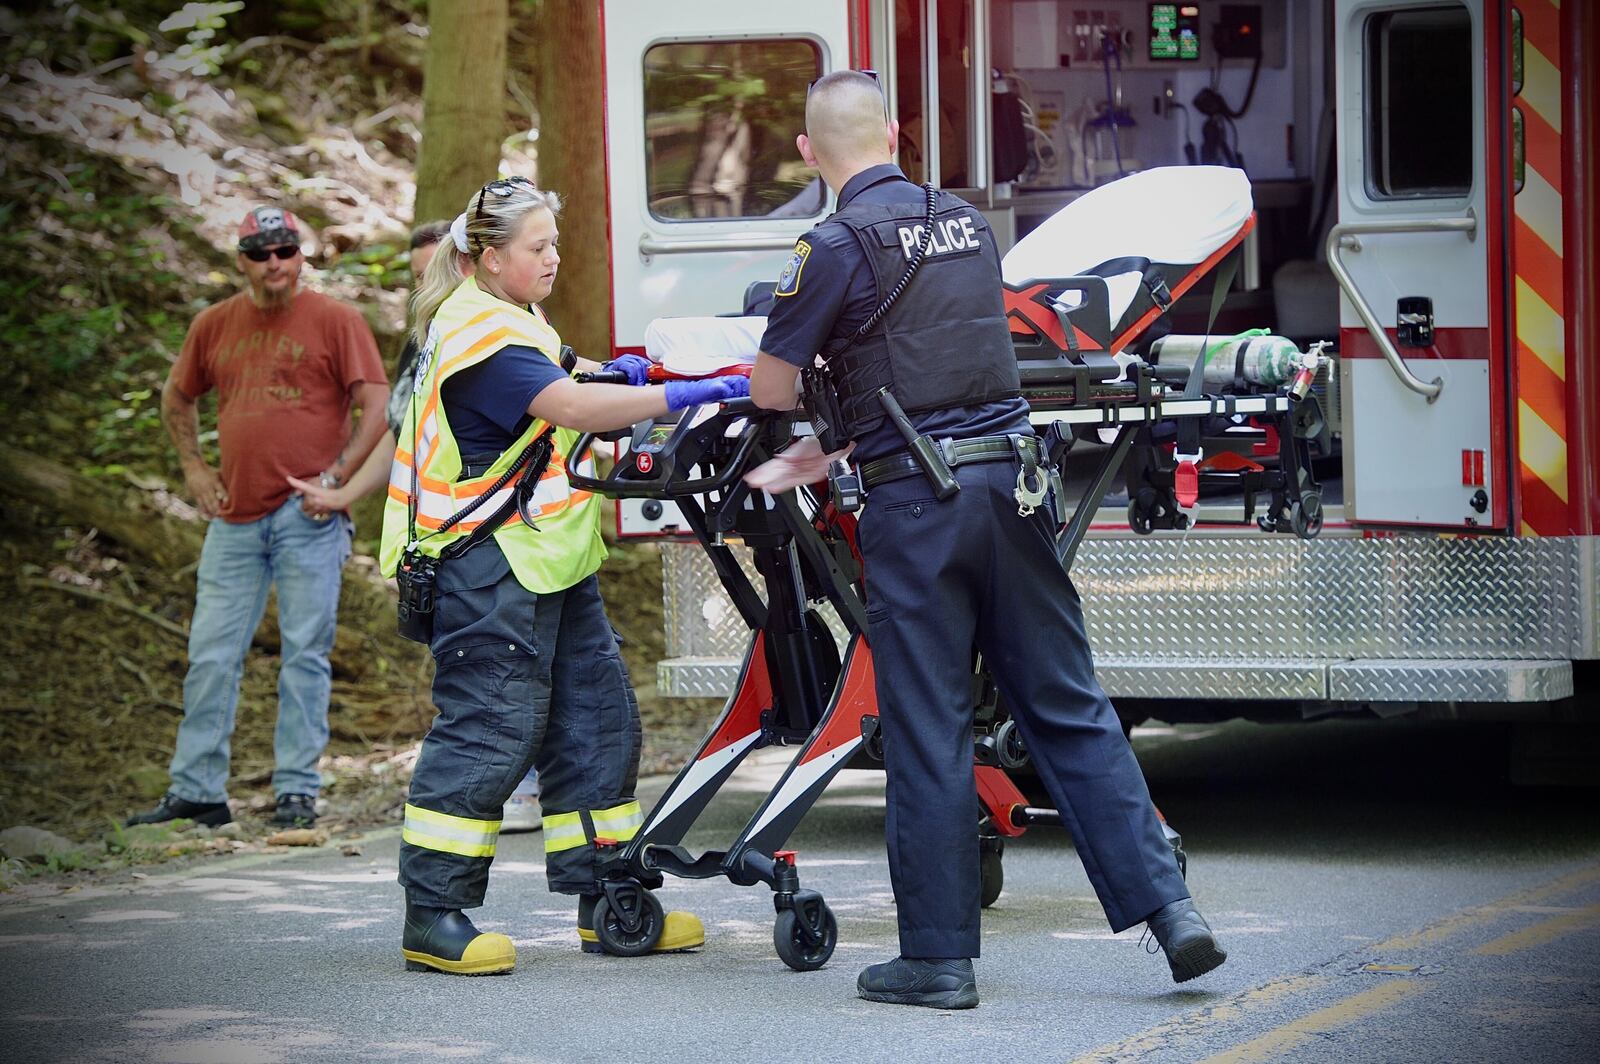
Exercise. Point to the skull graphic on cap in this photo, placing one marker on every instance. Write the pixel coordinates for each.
(267, 227)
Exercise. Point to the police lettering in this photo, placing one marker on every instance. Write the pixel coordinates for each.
(949, 236)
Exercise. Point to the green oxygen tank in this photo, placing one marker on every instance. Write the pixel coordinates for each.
(1259, 359)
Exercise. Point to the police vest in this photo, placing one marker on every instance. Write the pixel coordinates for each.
(945, 341)
(565, 546)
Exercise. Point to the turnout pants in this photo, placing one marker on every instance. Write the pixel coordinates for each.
(523, 680)
(941, 579)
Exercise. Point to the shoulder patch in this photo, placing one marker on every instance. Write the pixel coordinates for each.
(789, 280)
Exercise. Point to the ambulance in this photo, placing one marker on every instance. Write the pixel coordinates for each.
(1422, 177)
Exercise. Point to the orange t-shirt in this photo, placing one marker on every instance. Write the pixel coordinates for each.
(284, 380)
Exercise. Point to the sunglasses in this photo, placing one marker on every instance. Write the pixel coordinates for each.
(287, 251)
(502, 187)
(873, 74)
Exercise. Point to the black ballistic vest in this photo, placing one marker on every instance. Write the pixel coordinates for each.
(945, 341)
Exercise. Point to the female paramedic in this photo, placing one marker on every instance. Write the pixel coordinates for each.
(528, 670)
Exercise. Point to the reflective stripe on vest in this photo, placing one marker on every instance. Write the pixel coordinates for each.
(470, 327)
(449, 834)
(566, 831)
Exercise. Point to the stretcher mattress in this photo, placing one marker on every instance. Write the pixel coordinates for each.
(1174, 215)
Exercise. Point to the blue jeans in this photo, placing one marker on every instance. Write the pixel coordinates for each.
(237, 565)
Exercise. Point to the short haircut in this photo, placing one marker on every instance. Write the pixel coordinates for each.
(845, 116)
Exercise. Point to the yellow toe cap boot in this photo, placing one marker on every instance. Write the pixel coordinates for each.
(444, 940)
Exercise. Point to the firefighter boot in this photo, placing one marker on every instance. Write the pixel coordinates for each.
(444, 940)
(679, 931)
(1191, 947)
(934, 984)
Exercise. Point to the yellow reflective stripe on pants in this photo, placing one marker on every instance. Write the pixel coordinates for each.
(449, 834)
(563, 831)
(621, 822)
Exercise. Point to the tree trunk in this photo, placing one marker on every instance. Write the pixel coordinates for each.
(463, 104)
(570, 93)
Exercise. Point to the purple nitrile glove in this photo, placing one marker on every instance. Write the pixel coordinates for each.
(683, 394)
(637, 368)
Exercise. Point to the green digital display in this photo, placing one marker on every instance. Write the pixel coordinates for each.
(1175, 31)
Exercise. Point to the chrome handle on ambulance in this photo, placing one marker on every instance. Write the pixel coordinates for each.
(1348, 235)
(650, 245)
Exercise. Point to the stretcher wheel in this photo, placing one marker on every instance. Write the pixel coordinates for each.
(641, 910)
(1305, 516)
(1140, 513)
(991, 877)
(1009, 747)
(806, 935)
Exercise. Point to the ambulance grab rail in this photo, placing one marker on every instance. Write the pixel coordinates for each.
(1347, 235)
(650, 245)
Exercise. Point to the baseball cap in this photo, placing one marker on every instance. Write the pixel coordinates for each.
(266, 227)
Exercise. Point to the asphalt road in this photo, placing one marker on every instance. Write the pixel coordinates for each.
(1383, 893)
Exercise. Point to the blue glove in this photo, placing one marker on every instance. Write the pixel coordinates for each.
(683, 394)
(637, 368)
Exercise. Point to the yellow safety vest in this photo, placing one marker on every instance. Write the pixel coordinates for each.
(469, 327)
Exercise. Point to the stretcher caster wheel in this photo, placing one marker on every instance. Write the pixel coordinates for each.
(805, 935)
(1305, 516)
(1011, 751)
(991, 877)
(1140, 513)
(632, 927)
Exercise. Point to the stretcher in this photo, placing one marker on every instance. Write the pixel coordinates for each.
(1083, 375)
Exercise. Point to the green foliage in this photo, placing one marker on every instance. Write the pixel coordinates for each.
(93, 311)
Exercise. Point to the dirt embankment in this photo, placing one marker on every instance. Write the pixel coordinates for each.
(133, 142)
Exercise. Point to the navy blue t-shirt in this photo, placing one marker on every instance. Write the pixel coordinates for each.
(832, 292)
(487, 404)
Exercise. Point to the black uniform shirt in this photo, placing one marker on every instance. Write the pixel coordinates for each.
(828, 291)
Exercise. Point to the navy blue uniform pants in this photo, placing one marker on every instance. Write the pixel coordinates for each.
(943, 577)
(522, 680)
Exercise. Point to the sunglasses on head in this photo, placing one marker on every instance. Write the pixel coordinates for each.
(501, 187)
(286, 251)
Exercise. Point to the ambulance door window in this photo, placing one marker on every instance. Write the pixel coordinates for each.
(910, 97)
(719, 128)
(1419, 100)
(955, 92)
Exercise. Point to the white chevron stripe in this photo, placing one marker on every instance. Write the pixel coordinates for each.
(801, 778)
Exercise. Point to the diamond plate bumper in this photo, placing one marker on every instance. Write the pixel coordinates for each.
(1405, 618)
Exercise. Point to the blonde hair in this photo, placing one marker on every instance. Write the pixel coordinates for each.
(493, 215)
(846, 118)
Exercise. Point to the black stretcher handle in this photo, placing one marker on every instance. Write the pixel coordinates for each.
(661, 486)
(602, 376)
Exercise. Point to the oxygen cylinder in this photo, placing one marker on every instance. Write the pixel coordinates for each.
(1261, 360)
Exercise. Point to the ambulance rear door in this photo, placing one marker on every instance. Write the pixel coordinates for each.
(1419, 252)
(707, 192)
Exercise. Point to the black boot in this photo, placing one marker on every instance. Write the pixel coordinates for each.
(444, 940)
(171, 807)
(935, 984)
(1191, 947)
(295, 811)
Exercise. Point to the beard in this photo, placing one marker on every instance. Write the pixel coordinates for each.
(273, 300)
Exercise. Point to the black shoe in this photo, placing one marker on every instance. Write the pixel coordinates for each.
(444, 940)
(1192, 950)
(936, 984)
(295, 811)
(171, 807)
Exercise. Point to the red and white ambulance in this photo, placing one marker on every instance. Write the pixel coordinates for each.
(1423, 177)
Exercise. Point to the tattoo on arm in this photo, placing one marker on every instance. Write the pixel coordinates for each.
(180, 415)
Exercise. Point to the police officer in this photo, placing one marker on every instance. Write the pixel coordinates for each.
(528, 670)
(949, 570)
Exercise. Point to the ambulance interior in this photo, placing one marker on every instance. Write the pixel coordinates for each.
(1040, 102)
(1082, 93)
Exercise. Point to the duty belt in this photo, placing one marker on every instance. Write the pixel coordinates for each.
(901, 464)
